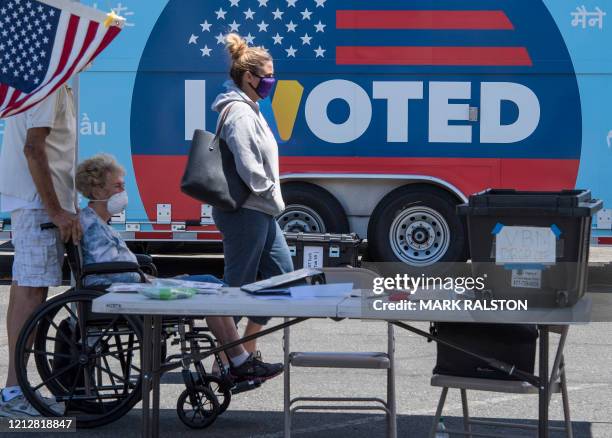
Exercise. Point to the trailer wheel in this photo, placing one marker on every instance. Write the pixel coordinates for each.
(311, 209)
(416, 225)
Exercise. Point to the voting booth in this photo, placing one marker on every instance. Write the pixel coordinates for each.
(531, 246)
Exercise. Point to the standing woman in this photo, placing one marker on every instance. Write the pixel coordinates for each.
(252, 240)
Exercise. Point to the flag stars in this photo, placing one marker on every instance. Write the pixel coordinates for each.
(291, 52)
(205, 51)
(263, 3)
(234, 3)
(306, 14)
(248, 14)
(320, 3)
(234, 26)
(291, 26)
(193, 39)
(263, 26)
(220, 14)
(320, 26)
(278, 15)
(278, 39)
(291, 3)
(249, 38)
(306, 39)
(319, 52)
(220, 38)
(205, 26)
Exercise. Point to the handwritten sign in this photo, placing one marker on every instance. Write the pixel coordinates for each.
(313, 257)
(525, 245)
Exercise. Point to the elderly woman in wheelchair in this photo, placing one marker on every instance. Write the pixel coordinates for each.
(89, 363)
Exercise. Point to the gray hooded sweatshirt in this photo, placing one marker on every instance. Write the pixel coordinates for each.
(255, 150)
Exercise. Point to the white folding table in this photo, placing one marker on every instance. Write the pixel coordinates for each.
(233, 301)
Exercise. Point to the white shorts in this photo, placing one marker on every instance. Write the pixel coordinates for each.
(39, 254)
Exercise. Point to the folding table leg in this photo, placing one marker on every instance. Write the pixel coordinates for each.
(287, 382)
(544, 388)
(391, 405)
(146, 375)
(156, 362)
(466, 413)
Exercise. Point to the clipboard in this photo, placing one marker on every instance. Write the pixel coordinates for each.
(279, 284)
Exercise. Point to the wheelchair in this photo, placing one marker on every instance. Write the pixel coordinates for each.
(73, 362)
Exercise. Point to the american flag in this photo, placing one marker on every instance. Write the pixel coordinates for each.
(43, 43)
(378, 34)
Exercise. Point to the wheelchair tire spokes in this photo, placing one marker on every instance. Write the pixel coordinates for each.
(97, 383)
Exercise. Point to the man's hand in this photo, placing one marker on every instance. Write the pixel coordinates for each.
(69, 226)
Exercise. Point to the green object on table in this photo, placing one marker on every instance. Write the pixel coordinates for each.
(168, 293)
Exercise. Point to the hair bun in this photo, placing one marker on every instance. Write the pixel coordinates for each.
(236, 45)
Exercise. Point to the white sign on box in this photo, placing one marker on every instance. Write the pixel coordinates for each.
(528, 278)
(525, 245)
(313, 257)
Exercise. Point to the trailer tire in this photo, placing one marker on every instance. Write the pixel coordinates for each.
(310, 208)
(416, 225)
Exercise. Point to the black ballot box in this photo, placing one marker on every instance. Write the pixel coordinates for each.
(318, 250)
(531, 246)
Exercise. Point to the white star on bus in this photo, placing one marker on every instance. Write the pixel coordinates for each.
(290, 52)
(278, 39)
(278, 15)
(291, 3)
(193, 39)
(234, 26)
(205, 26)
(291, 26)
(306, 39)
(206, 51)
(319, 52)
(263, 26)
(263, 3)
(220, 14)
(320, 26)
(249, 14)
(306, 14)
(320, 3)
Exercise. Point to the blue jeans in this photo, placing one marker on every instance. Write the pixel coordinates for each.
(253, 243)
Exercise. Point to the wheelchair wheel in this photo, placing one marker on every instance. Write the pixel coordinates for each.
(198, 408)
(81, 364)
(221, 390)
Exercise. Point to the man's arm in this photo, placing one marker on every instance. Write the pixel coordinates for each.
(38, 164)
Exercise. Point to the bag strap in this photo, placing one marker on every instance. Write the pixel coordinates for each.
(224, 114)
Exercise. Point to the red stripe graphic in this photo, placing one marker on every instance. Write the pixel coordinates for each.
(432, 20)
(406, 55)
(3, 91)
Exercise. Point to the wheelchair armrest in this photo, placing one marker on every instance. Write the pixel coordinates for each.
(144, 259)
(146, 264)
(110, 268)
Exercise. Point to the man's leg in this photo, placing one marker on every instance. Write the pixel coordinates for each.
(23, 301)
(275, 260)
(37, 264)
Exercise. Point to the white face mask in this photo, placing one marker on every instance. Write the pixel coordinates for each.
(116, 203)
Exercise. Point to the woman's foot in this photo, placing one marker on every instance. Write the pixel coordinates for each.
(255, 368)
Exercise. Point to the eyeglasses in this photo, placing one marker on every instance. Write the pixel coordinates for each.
(265, 76)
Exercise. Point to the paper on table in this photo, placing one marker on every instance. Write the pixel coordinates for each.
(316, 291)
(321, 291)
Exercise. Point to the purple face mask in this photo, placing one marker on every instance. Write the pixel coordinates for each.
(264, 87)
